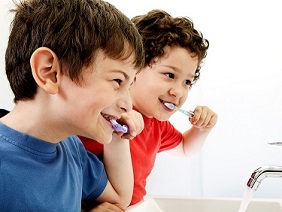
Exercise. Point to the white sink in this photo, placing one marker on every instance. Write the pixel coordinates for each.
(172, 204)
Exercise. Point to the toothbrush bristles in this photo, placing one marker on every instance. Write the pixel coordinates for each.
(169, 105)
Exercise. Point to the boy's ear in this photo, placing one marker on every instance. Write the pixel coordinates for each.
(45, 68)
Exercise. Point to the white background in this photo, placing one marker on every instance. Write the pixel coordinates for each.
(241, 80)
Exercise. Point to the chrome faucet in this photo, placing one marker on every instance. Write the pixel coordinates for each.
(262, 172)
(265, 171)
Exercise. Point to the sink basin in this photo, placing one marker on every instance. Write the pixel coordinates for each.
(172, 204)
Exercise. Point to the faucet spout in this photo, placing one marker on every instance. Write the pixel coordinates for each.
(262, 172)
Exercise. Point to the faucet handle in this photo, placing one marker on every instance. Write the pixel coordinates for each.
(277, 143)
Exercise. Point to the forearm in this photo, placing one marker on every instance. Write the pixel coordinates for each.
(194, 139)
(203, 121)
(117, 161)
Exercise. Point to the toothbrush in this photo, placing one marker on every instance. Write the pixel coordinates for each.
(278, 143)
(118, 127)
(185, 112)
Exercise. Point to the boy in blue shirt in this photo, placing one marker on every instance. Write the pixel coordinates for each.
(70, 65)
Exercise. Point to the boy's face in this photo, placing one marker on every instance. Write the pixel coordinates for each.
(166, 81)
(102, 95)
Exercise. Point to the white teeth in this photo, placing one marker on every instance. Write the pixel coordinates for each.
(107, 117)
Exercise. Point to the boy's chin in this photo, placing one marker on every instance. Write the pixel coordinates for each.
(162, 116)
(103, 139)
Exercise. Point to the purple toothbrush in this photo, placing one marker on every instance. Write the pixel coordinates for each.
(118, 127)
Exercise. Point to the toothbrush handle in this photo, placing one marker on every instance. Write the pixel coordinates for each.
(118, 127)
(185, 112)
(121, 128)
(278, 143)
(125, 129)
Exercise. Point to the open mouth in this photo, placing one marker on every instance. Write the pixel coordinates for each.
(108, 117)
(168, 105)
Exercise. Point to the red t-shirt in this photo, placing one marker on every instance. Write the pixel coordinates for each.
(156, 137)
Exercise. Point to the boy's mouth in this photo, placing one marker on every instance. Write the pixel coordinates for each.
(165, 103)
(108, 117)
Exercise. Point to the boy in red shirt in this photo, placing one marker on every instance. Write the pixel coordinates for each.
(174, 51)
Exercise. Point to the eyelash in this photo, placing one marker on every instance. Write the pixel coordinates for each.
(187, 82)
(119, 81)
(170, 75)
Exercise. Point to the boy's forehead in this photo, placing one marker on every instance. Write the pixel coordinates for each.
(126, 56)
(121, 64)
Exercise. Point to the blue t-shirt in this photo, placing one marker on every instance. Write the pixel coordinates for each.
(40, 176)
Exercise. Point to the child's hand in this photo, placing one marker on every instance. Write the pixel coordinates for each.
(135, 123)
(105, 206)
(203, 118)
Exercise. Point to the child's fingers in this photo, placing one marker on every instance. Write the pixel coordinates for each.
(203, 117)
(135, 123)
(212, 121)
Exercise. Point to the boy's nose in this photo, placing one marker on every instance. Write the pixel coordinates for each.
(176, 91)
(124, 102)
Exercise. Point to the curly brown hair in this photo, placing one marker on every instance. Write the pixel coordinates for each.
(159, 29)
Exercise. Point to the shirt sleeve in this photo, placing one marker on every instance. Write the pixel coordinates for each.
(94, 175)
(170, 137)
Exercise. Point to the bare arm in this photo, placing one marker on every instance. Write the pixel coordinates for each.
(105, 206)
(203, 121)
(117, 161)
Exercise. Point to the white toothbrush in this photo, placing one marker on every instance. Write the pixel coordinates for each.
(185, 112)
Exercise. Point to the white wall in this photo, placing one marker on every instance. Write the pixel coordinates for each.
(6, 96)
(241, 81)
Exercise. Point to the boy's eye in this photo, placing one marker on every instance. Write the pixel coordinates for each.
(119, 81)
(170, 75)
(188, 82)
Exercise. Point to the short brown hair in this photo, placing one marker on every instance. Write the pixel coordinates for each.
(74, 30)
